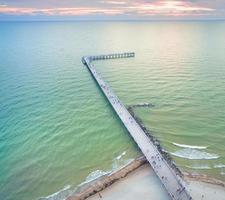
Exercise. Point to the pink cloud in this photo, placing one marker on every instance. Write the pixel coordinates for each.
(169, 8)
(114, 2)
(58, 11)
(163, 8)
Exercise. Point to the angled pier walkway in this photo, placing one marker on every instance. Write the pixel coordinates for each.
(172, 182)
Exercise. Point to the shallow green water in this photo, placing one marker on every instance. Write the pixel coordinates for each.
(55, 125)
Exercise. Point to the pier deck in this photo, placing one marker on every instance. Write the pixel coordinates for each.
(171, 181)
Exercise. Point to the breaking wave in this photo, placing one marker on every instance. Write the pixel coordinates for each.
(94, 175)
(118, 162)
(59, 195)
(189, 146)
(199, 167)
(121, 155)
(219, 166)
(193, 154)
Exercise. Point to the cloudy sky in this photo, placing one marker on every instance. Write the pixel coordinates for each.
(111, 9)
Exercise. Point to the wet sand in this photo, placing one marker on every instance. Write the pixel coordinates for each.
(142, 183)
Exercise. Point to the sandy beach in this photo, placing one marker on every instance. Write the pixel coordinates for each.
(137, 180)
(142, 183)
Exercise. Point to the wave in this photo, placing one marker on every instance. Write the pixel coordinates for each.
(59, 195)
(121, 155)
(219, 166)
(119, 161)
(199, 167)
(193, 154)
(189, 146)
(95, 175)
(63, 194)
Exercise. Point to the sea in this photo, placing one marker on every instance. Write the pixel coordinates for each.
(58, 131)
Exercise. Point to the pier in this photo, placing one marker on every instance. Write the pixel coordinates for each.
(168, 177)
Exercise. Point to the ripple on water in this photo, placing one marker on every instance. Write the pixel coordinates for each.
(51, 108)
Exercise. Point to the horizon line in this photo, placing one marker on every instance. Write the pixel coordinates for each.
(111, 20)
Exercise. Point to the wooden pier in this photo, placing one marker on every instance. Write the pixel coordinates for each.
(168, 177)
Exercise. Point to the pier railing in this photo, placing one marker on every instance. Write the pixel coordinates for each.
(108, 56)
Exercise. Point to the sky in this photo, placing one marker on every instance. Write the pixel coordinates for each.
(111, 9)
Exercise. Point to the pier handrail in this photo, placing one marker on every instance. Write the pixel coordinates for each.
(108, 56)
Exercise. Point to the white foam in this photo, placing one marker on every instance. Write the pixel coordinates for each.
(199, 167)
(119, 161)
(121, 155)
(194, 154)
(219, 166)
(95, 175)
(189, 146)
(59, 195)
(63, 194)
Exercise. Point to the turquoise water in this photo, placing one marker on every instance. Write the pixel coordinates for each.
(55, 125)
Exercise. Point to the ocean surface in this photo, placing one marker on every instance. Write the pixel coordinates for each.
(57, 129)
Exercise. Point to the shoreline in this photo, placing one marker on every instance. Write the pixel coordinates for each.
(105, 182)
(203, 179)
(87, 190)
